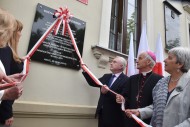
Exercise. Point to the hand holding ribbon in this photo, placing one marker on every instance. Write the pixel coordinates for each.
(133, 113)
(139, 121)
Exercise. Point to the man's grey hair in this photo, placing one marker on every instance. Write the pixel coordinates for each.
(182, 56)
(153, 63)
(123, 62)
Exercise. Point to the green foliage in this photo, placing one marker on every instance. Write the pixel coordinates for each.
(130, 29)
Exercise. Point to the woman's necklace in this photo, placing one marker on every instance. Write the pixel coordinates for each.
(175, 80)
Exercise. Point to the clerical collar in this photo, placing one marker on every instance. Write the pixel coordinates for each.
(145, 73)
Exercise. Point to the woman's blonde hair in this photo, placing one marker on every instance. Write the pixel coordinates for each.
(7, 22)
(13, 43)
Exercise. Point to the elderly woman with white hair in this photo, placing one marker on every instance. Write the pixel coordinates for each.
(171, 102)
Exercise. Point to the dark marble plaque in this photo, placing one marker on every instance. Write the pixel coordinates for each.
(57, 50)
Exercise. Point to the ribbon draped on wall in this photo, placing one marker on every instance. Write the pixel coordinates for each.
(63, 17)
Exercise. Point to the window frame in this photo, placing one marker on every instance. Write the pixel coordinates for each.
(124, 3)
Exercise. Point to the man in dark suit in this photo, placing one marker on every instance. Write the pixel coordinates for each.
(108, 111)
(138, 92)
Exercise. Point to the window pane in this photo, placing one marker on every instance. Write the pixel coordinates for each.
(131, 2)
(123, 22)
(131, 23)
(115, 26)
(116, 8)
(119, 43)
(112, 41)
(112, 24)
(131, 11)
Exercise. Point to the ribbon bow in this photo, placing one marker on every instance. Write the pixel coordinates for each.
(63, 16)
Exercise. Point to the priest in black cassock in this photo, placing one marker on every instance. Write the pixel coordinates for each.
(138, 91)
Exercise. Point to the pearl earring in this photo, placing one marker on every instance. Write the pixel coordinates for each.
(178, 70)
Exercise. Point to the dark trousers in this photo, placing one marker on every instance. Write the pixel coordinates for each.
(102, 123)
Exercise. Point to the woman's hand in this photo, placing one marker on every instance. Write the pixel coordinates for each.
(4, 78)
(129, 112)
(16, 77)
(9, 122)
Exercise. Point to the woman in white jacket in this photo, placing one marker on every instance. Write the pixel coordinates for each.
(171, 95)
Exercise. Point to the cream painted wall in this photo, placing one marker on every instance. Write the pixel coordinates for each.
(52, 84)
(183, 23)
(52, 87)
(153, 13)
(105, 23)
(62, 94)
(55, 96)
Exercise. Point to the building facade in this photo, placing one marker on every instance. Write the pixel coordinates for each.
(60, 97)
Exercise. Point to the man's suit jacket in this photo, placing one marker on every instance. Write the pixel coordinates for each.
(107, 106)
(131, 91)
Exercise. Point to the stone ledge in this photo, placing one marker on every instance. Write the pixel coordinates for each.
(186, 6)
(104, 55)
(58, 111)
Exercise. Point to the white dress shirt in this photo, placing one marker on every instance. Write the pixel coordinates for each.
(116, 76)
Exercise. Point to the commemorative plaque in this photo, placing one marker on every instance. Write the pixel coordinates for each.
(56, 49)
(172, 26)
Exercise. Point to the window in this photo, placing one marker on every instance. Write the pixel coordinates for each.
(125, 18)
(189, 34)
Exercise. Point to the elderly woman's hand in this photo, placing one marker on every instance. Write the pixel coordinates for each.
(129, 112)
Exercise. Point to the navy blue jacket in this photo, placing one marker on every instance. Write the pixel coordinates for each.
(107, 107)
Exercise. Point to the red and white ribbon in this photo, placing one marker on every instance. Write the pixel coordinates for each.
(7, 85)
(83, 66)
(4, 85)
(24, 72)
(63, 16)
(41, 40)
(25, 69)
(139, 121)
